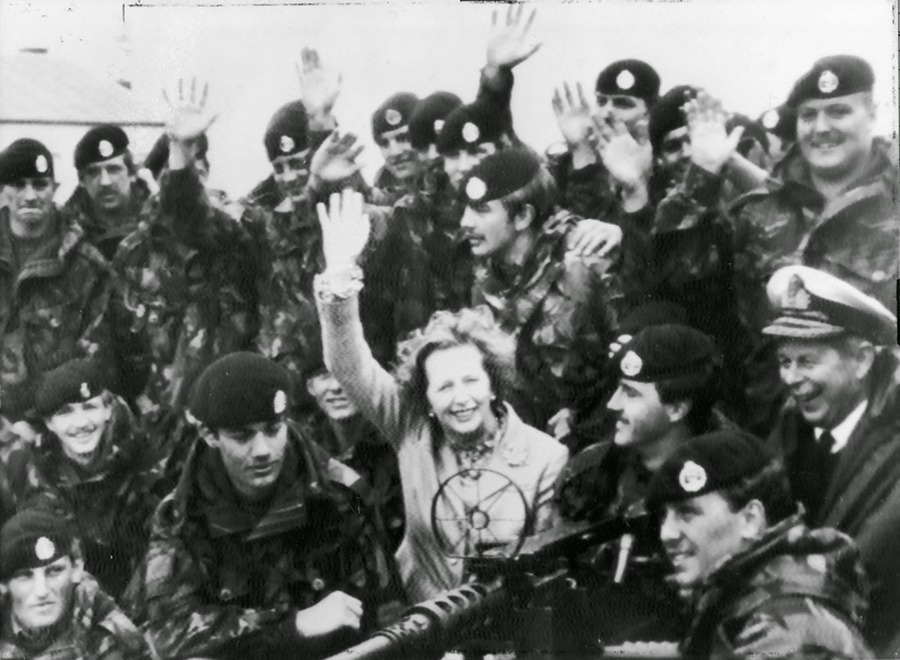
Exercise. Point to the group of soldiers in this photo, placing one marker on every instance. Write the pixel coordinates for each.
(182, 476)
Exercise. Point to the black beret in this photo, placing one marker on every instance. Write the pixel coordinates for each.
(753, 130)
(393, 114)
(654, 312)
(32, 538)
(666, 352)
(100, 143)
(707, 463)
(501, 174)
(813, 304)
(631, 78)
(75, 380)
(240, 389)
(833, 76)
(25, 159)
(158, 157)
(288, 131)
(428, 116)
(667, 114)
(781, 122)
(470, 125)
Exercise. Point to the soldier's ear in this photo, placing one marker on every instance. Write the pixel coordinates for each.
(524, 218)
(77, 569)
(753, 521)
(208, 435)
(677, 411)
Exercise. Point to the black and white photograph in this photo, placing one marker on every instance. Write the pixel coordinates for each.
(449, 330)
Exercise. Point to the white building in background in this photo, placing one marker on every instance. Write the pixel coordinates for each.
(55, 101)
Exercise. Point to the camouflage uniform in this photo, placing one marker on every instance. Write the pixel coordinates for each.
(563, 310)
(188, 275)
(106, 238)
(853, 237)
(52, 308)
(796, 593)
(110, 506)
(375, 460)
(225, 579)
(94, 629)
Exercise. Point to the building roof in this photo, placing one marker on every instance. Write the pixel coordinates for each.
(39, 89)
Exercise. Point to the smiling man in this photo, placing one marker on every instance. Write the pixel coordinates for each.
(762, 584)
(54, 285)
(52, 608)
(264, 546)
(838, 432)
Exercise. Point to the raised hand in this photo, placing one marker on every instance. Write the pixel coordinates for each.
(345, 229)
(711, 144)
(628, 159)
(319, 87)
(188, 118)
(509, 43)
(573, 114)
(335, 160)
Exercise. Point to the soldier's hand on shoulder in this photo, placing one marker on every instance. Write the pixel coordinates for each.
(337, 611)
(711, 144)
(509, 43)
(595, 238)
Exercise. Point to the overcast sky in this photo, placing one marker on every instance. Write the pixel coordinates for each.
(746, 53)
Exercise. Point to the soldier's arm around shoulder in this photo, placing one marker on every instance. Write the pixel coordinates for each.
(113, 636)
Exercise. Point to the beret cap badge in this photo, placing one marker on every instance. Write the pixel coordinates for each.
(438, 125)
(44, 548)
(393, 116)
(105, 148)
(692, 477)
(476, 189)
(470, 132)
(828, 81)
(770, 119)
(286, 143)
(41, 164)
(631, 364)
(625, 79)
(85, 391)
(279, 403)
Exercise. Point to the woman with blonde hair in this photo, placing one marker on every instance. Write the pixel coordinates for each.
(475, 477)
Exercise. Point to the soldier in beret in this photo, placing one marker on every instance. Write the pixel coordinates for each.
(264, 547)
(425, 123)
(561, 304)
(390, 130)
(109, 195)
(760, 582)
(626, 90)
(51, 607)
(838, 431)
(55, 290)
(90, 464)
(668, 380)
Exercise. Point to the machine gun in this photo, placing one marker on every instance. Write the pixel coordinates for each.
(527, 600)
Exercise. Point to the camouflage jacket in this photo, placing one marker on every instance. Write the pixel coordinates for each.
(104, 237)
(188, 276)
(110, 505)
(54, 309)
(796, 593)
(563, 309)
(224, 579)
(95, 629)
(422, 265)
(853, 237)
(375, 460)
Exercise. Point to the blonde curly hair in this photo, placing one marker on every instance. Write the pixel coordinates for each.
(467, 327)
